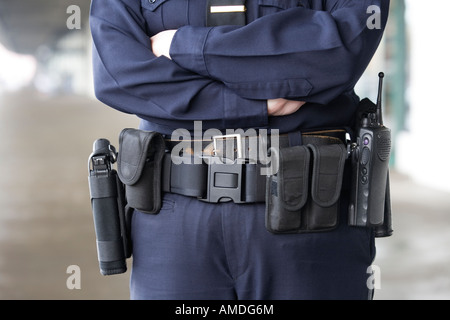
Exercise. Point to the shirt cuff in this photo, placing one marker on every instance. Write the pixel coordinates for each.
(187, 48)
(241, 113)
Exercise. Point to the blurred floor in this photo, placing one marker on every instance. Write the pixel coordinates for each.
(415, 262)
(45, 216)
(46, 221)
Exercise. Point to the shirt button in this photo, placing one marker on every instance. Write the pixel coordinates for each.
(152, 1)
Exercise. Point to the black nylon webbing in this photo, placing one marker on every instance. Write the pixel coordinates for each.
(190, 179)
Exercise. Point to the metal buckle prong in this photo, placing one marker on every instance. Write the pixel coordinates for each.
(238, 137)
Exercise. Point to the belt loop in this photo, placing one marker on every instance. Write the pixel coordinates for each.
(295, 138)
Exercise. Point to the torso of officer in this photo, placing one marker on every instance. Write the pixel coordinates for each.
(313, 51)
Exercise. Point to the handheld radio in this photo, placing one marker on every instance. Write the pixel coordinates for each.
(370, 164)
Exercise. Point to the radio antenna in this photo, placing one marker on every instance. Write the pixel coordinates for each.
(379, 99)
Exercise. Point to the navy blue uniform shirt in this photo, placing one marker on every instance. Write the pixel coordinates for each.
(310, 50)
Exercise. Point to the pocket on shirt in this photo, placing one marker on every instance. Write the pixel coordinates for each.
(273, 6)
(165, 14)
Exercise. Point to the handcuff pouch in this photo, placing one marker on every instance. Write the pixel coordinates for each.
(139, 166)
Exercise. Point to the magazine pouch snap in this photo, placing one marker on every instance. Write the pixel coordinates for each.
(139, 167)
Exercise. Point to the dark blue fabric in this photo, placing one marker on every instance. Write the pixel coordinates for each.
(313, 51)
(224, 75)
(196, 250)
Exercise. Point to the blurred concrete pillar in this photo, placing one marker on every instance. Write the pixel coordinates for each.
(422, 150)
(396, 72)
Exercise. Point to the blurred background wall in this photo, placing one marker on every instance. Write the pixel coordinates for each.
(49, 119)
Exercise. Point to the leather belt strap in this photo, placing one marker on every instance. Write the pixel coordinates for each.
(239, 181)
(285, 140)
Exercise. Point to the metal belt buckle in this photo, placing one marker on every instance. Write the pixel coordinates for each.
(226, 180)
(238, 137)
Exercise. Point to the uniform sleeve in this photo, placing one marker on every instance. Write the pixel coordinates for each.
(128, 77)
(311, 54)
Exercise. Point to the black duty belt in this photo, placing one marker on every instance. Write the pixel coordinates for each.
(239, 181)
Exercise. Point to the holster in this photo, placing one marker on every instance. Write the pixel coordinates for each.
(111, 220)
(139, 167)
(386, 228)
(303, 196)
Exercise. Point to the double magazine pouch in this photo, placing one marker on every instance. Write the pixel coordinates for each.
(139, 168)
(303, 195)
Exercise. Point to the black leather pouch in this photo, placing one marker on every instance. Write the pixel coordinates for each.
(322, 210)
(287, 190)
(139, 167)
(303, 196)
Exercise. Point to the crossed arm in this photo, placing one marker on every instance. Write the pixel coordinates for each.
(311, 55)
(275, 107)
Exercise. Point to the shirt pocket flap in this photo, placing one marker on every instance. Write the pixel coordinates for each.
(282, 4)
(152, 4)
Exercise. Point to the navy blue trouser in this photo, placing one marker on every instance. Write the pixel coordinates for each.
(194, 250)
